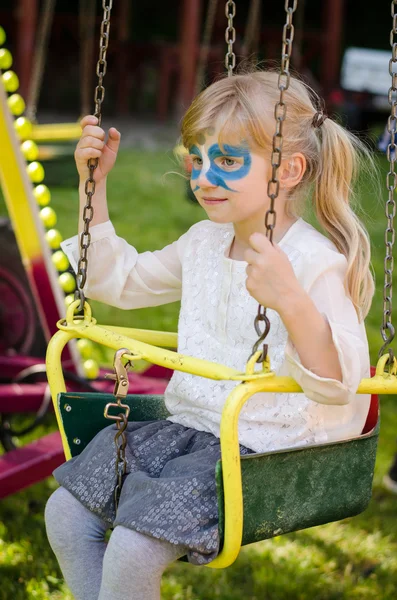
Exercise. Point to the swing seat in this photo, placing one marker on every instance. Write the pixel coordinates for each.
(283, 491)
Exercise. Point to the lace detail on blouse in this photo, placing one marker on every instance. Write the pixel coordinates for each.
(216, 323)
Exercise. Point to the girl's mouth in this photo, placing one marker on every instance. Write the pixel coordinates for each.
(214, 200)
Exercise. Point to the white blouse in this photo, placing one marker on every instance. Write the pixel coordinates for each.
(216, 323)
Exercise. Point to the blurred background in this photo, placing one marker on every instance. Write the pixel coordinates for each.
(160, 55)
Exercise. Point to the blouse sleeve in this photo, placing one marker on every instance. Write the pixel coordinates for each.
(118, 275)
(324, 282)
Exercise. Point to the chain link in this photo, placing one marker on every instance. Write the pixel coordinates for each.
(120, 440)
(273, 188)
(120, 377)
(230, 37)
(88, 211)
(387, 328)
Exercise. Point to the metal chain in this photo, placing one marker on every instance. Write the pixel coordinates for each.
(120, 377)
(273, 188)
(230, 37)
(387, 329)
(88, 212)
(120, 439)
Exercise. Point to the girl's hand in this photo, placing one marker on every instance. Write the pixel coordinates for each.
(270, 277)
(92, 144)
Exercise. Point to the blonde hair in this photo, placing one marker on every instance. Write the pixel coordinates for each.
(242, 107)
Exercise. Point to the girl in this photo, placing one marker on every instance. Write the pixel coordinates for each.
(317, 290)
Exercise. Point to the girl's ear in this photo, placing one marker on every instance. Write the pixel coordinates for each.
(292, 170)
(188, 164)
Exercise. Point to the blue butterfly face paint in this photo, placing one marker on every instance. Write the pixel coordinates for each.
(215, 172)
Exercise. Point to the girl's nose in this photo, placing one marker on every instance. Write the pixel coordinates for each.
(204, 180)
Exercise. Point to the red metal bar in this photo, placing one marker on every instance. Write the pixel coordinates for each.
(21, 397)
(32, 463)
(333, 23)
(27, 397)
(11, 366)
(189, 42)
(123, 34)
(27, 19)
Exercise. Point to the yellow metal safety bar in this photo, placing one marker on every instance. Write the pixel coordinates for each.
(139, 342)
(55, 132)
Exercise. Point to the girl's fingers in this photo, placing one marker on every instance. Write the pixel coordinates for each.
(259, 242)
(94, 131)
(88, 120)
(113, 139)
(86, 153)
(251, 256)
(91, 142)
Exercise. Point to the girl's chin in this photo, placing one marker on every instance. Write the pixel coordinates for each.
(217, 218)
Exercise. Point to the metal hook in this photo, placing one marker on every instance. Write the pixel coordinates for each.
(120, 376)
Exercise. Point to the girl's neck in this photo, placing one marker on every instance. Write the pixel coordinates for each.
(243, 231)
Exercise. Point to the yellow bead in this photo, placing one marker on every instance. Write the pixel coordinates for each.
(3, 36)
(10, 81)
(42, 195)
(30, 150)
(69, 299)
(54, 239)
(60, 260)
(85, 348)
(48, 217)
(67, 282)
(5, 59)
(16, 104)
(23, 127)
(91, 369)
(36, 172)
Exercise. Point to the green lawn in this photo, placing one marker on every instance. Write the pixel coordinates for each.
(353, 559)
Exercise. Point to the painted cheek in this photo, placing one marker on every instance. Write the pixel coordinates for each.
(218, 176)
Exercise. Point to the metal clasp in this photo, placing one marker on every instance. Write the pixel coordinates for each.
(120, 376)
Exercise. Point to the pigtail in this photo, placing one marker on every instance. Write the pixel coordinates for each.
(341, 154)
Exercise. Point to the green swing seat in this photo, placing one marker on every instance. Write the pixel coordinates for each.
(283, 491)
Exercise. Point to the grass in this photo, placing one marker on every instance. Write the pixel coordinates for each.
(353, 559)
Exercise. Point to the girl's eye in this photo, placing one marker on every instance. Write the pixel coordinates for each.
(197, 161)
(228, 162)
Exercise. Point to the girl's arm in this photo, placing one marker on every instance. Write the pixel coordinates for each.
(327, 349)
(119, 275)
(311, 335)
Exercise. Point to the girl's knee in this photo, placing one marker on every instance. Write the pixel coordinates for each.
(57, 519)
(132, 550)
(58, 516)
(67, 520)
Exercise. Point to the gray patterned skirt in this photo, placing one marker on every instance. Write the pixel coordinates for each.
(169, 491)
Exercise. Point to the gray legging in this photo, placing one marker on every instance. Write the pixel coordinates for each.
(128, 567)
